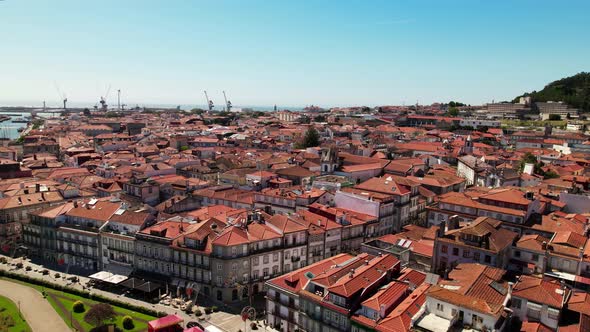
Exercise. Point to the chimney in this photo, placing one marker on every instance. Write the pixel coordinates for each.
(319, 222)
(581, 253)
(75, 204)
(382, 311)
(441, 229)
(544, 245)
(453, 222)
(21, 185)
(37, 187)
(366, 262)
(34, 156)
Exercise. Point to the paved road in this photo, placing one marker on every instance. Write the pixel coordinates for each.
(38, 313)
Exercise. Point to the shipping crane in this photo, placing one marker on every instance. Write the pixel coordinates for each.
(209, 102)
(61, 95)
(103, 100)
(227, 103)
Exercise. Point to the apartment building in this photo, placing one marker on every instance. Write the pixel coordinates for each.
(474, 295)
(480, 241)
(329, 298)
(538, 300)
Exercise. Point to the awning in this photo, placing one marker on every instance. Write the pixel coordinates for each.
(132, 283)
(102, 275)
(115, 279)
(148, 287)
(164, 322)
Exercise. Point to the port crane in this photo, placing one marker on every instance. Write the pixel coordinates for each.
(227, 103)
(103, 100)
(209, 102)
(61, 95)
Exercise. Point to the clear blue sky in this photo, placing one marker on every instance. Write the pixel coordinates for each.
(288, 53)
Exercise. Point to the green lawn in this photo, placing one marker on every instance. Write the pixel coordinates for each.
(66, 301)
(10, 320)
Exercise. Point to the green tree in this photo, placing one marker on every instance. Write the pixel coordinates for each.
(319, 118)
(453, 111)
(311, 139)
(551, 175)
(530, 158)
(99, 314)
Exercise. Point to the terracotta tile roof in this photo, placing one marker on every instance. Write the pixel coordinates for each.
(532, 242)
(100, 210)
(30, 200)
(363, 276)
(535, 327)
(539, 291)
(473, 286)
(579, 301)
(387, 296)
(414, 277)
(385, 185)
(399, 320)
(296, 280)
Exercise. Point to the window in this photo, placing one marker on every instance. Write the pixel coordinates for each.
(517, 253)
(516, 303)
(219, 280)
(255, 261)
(455, 251)
(265, 259)
(444, 249)
(476, 256)
(219, 266)
(440, 307)
(275, 257)
(234, 267)
(535, 257)
(488, 259)
(476, 320)
(275, 270)
(234, 251)
(466, 253)
(265, 272)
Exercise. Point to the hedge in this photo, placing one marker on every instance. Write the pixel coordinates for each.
(84, 294)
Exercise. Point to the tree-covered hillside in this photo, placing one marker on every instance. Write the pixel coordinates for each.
(574, 90)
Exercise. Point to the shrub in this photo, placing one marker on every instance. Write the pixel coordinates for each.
(208, 310)
(28, 268)
(19, 265)
(128, 323)
(198, 312)
(57, 275)
(214, 308)
(3, 260)
(253, 326)
(78, 307)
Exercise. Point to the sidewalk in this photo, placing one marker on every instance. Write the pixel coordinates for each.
(35, 309)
